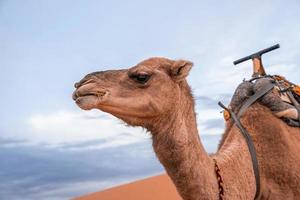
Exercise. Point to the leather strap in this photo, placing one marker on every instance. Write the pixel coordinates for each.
(254, 98)
(251, 148)
(295, 102)
(236, 119)
(291, 122)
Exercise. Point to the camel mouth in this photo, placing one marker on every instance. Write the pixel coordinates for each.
(88, 96)
(88, 89)
(76, 95)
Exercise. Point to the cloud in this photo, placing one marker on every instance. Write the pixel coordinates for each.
(39, 172)
(71, 126)
(214, 123)
(111, 141)
(209, 117)
(30, 172)
(96, 129)
(205, 102)
(8, 142)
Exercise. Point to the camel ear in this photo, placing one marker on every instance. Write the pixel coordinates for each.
(180, 69)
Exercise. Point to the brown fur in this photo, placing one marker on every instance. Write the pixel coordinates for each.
(164, 106)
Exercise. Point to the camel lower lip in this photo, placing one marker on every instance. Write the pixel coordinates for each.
(75, 95)
(99, 96)
(77, 100)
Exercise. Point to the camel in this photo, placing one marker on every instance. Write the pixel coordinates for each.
(155, 95)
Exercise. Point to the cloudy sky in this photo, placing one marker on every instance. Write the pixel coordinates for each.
(50, 149)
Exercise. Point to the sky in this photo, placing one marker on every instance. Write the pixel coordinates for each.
(50, 149)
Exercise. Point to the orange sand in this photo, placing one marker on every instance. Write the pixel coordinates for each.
(153, 188)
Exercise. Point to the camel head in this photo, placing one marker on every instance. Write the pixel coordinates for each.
(138, 95)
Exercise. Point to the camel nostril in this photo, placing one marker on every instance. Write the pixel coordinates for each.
(84, 81)
(76, 85)
(74, 95)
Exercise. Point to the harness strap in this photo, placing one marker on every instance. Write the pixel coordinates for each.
(254, 98)
(295, 102)
(250, 145)
(236, 119)
(291, 122)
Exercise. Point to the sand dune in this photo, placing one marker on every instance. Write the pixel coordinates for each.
(153, 188)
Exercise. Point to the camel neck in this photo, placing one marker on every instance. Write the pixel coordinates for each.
(177, 145)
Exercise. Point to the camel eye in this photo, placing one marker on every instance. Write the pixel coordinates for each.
(141, 78)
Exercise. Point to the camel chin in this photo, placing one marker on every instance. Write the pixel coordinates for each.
(87, 102)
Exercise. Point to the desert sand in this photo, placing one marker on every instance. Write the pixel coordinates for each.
(153, 188)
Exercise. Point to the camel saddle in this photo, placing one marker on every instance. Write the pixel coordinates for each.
(273, 91)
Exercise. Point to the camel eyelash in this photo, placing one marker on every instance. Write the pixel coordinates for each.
(141, 78)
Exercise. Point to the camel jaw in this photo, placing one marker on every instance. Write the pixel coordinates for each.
(88, 96)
